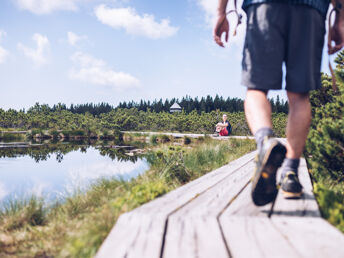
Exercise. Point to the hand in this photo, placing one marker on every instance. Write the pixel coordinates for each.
(337, 35)
(222, 26)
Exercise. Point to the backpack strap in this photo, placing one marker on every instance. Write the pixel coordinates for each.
(329, 42)
(239, 16)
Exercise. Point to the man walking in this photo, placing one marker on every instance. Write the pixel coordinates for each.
(290, 32)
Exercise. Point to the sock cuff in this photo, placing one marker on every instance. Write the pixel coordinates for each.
(292, 163)
(264, 131)
(260, 135)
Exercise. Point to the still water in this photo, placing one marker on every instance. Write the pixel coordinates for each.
(57, 171)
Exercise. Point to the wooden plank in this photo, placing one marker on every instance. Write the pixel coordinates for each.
(131, 236)
(194, 237)
(188, 192)
(243, 206)
(135, 235)
(311, 237)
(254, 237)
(305, 237)
(306, 206)
(214, 216)
(191, 227)
(249, 232)
(293, 227)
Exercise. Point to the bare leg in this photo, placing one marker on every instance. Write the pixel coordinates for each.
(257, 110)
(299, 120)
(270, 152)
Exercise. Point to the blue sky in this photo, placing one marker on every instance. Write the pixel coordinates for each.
(78, 51)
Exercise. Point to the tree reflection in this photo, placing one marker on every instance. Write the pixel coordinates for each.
(42, 152)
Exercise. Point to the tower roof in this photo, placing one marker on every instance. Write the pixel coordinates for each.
(176, 106)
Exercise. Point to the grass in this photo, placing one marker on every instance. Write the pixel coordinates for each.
(78, 226)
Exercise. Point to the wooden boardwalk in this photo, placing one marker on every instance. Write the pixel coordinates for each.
(214, 216)
(191, 135)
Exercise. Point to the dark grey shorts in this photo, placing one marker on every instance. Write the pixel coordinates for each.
(277, 33)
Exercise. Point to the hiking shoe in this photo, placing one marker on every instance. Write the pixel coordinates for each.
(291, 187)
(268, 160)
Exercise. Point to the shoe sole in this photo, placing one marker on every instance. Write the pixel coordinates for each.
(291, 195)
(266, 177)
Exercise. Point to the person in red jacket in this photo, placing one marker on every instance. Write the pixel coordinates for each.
(224, 128)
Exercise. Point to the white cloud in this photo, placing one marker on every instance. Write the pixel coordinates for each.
(39, 188)
(74, 38)
(3, 191)
(81, 176)
(3, 52)
(96, 71)
(47, 6)
(3, 55)
(134, 24)
(38, 55)
(2, 34)
(210, 9)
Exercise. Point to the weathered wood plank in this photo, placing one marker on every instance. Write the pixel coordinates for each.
(214, 216)
(135, 235)
(179, 197)
(194, 237)
(131, 236)
(191, 227)
(293, 227)
(311, 237)
(243, 206)
(255, 237)
(306, 206)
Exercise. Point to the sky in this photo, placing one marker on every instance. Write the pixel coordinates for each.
(80, 51)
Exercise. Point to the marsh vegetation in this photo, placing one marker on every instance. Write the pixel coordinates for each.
(76, 226)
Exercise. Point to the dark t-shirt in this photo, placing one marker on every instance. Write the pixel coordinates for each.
(320, 5)
(228, 127)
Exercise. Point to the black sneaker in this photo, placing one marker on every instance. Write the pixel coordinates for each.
(268, 160)
(291, 187)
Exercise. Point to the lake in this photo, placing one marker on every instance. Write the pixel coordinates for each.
(54, 171)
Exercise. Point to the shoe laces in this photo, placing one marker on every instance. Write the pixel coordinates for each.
(291, 175)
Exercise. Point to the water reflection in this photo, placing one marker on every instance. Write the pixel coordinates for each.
(50, 170)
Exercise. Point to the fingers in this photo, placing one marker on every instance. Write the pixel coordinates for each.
(220, 28)
(218, 41)
(334, 49)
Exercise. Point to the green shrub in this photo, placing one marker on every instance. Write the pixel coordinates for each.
(164, 138)
(326, 138)
(325, 146)
(148, 191)
(77, 132)
(54, 133)
(153, 139)
(331, 204)
(187, 140)
(7, 136)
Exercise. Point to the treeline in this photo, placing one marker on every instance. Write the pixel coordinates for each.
(188, 104)
(126, 120)
(205, 104)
